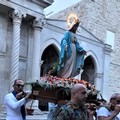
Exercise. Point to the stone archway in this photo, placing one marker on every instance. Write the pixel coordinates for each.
(49, 57)
(89, 70)
(98, 75)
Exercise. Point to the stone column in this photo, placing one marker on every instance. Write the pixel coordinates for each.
(81, 71)
(17, 17)
(79, 75)
(98, 82)
(40, 64)
(38, 24)
(106, 68)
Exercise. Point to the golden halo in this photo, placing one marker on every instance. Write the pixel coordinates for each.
(72, 19)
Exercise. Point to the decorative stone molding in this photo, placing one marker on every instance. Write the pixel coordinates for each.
(21, 58)
(17, 16)
(2, 55)
(41, 62)
(98, 75)
(107, 49)
(39, 23)
(51, 0)
(44, 3)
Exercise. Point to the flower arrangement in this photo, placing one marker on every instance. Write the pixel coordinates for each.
(65, 84)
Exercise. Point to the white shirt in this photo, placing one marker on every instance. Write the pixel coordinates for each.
(105, 112)
(13, 107)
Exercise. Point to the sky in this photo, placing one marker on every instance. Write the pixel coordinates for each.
(59, 5)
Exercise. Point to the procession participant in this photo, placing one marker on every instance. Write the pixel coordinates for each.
(15, 102)
(76, 108)
(110, 112)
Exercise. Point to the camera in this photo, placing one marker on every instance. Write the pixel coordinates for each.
(91, 106)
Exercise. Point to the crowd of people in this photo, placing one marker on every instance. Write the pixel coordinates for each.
(78, 109)
(75, 109)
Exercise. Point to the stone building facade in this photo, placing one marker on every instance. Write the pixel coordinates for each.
(21, 24)
(98, 17)
(29, 41)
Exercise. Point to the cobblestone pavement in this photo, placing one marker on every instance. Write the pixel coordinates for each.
(41, 116)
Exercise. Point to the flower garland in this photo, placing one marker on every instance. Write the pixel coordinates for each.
(54, 82)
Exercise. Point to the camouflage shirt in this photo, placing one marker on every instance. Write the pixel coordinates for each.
(72, 112)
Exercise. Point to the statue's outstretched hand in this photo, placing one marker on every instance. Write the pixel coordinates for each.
(66, 47)
(83, 52)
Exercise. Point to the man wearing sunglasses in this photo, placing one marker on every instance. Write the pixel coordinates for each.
(76, 109)
(112, 111)
(15, 102)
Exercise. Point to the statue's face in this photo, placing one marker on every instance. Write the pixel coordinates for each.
(74, 28)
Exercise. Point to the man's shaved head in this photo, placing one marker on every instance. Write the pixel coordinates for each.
(79, 94)
(77, 87)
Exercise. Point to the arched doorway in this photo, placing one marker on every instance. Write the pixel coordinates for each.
(49, 57)
(89, 70)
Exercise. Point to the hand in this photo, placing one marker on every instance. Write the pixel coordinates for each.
(66, 47)
(75, 40)
(27, 95)
(91, 114)
(84, 52)
(117, 109)
(19, 95)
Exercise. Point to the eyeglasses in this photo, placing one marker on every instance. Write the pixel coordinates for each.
(19, 85)
(84, 92)
(118, 101)
(113, 98)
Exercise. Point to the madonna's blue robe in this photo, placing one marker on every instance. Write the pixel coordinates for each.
(65, 55)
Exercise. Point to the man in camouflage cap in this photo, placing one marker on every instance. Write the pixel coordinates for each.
(76, 109)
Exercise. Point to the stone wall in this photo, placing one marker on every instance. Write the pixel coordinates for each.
(28, 10)
(97, 17)
(6, 36)
(4, 55)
